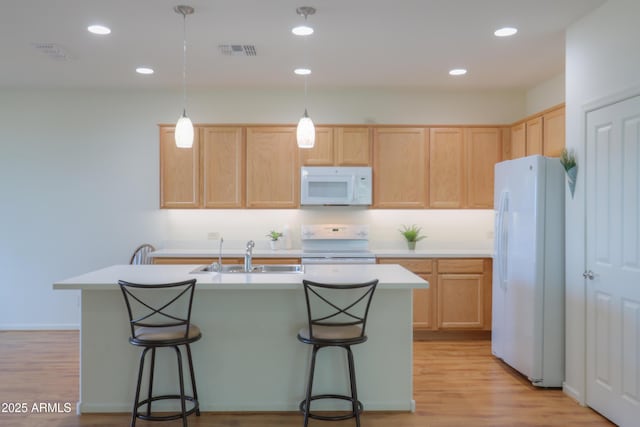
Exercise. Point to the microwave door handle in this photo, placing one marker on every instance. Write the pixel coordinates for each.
(353, 188)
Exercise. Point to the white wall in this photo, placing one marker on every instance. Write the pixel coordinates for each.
(545, 95)
(472, 229)
(79, 177)
(602, 60)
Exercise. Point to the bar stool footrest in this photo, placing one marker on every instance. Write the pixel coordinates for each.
(173, 416)
(316, 416)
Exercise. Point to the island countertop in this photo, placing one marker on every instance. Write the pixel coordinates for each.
(389, 276)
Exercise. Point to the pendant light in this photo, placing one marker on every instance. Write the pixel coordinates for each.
(306, 131)
(184, 127)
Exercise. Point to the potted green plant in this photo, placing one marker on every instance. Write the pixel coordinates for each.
(568, 161)
(412, 235)
(274, 236)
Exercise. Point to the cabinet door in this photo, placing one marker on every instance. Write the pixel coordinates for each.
(322, 153)
(400, 168)
(553, 130)
(534, 136)
(447, 186)
(273, 170)
(484, 150)
(461, 301)
(518, 141)
(423, 299)
(424, 305)
(179, 171)
(223, 153)
(353, 146)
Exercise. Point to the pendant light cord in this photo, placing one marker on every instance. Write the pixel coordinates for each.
(184, 64)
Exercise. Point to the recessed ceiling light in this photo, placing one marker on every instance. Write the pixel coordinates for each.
(505, 32)
(99, 29)
(458, 72)
(302, 71)
(302, 30)
(144, 70)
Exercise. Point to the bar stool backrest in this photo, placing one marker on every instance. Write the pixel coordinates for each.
(162, 305)
(338, 305)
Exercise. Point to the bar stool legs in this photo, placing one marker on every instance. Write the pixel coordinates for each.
(356, 405)
(150, 398)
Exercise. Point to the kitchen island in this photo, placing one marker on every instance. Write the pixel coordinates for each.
(249, 358)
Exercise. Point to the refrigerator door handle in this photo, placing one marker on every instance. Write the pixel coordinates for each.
(502, 234)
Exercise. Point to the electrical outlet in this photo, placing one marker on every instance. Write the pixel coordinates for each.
(213, 235)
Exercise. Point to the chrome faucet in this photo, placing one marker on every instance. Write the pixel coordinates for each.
(248, 255)
(217, 266)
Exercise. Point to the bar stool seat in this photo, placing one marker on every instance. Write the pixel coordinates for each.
(337, 317)
(158, 323)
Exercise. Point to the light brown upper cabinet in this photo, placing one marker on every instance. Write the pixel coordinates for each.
(534, 136)
(353, 146)
(179, 171)
(483, 150)
(322, 153)
(400, 168)
(554, 128)
(223, 172)
(461, 167)
(518, 141)
(339, 146)
(273, 171)
(447, 187)
(543, 134)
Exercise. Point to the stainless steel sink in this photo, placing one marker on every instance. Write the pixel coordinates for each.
(260, 268)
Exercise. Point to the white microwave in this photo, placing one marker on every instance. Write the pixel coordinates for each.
(320, 185)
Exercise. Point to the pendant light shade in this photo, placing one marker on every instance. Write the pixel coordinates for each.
(306, 132)
(184, 132)
(184, 127)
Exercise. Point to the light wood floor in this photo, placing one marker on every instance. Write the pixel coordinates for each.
(457, 383)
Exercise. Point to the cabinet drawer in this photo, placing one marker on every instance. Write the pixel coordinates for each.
(460, 266)
(415, 265)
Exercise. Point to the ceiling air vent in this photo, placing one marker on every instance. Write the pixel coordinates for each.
(52, 50)
(237, 49)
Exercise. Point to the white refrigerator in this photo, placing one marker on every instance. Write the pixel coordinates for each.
(528, 268)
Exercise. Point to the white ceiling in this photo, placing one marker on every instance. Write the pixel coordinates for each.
(357, 43)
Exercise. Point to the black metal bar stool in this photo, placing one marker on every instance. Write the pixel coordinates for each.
(337, 317)
(160, 316)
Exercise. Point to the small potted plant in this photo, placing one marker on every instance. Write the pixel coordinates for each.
(274, 236)
(412, 235)
(568, 161)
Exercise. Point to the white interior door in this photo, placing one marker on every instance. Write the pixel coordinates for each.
(613, 261)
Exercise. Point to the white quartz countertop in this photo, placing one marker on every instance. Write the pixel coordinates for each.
(390, 276)
(297, 253)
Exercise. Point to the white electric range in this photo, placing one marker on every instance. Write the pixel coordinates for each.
(336, 244)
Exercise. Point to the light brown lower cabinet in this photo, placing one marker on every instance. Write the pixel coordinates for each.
(459, 294)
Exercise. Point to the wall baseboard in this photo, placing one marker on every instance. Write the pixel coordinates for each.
(39, 326)
(573, 393)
